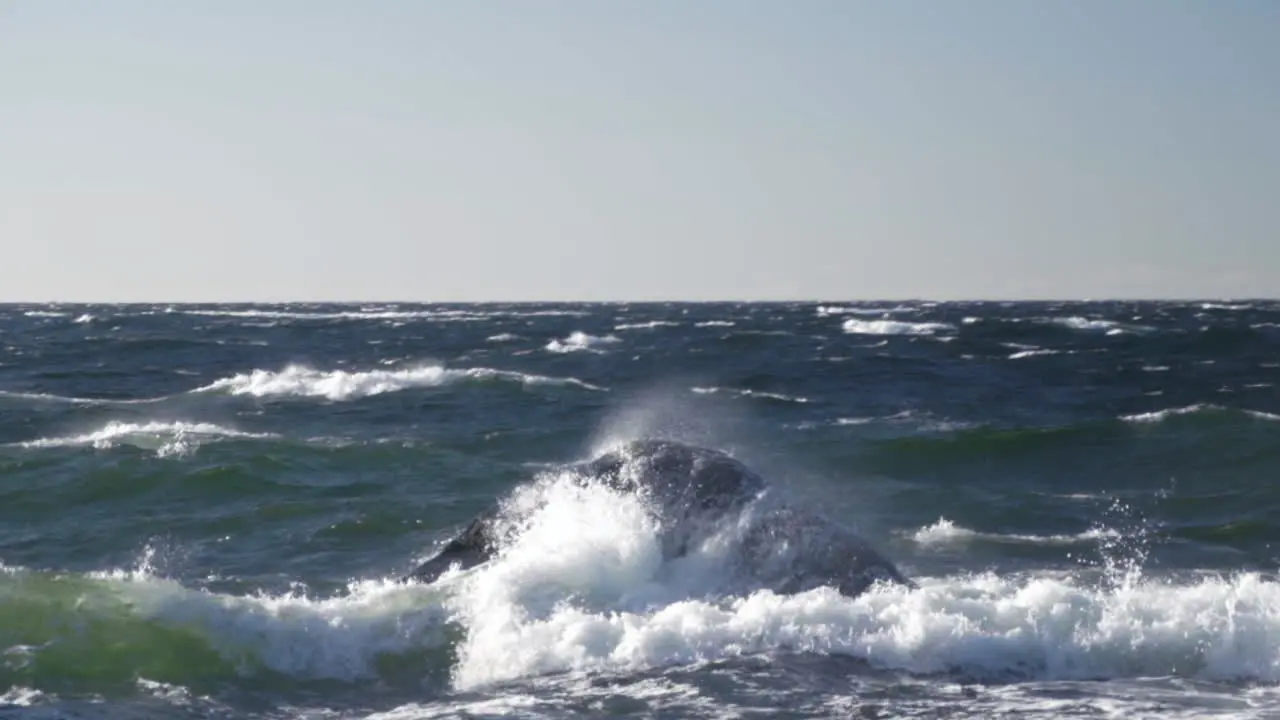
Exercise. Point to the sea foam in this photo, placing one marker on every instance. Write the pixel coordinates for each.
(165, 437)
(578, 341)
(605, 602)
(855, 326)
(341, 385)
(583, 588)
(946, 533)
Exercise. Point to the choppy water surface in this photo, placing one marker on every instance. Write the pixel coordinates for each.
(204, 509)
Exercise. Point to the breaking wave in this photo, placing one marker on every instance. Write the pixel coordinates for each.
(578, 341)
(1110, 327)
(341, 385)
(945, 532)
(855, 326)
(166, 438)
(651, 325)
(1202, 409)
(742, 392)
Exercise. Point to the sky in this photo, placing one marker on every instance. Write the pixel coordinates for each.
(434, 150)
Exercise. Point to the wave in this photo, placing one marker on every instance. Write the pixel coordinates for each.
(855, 326)
(340, 315)
(166, 438)
(62, 399)
(833, 310)
(1110, 327)
(1038, 352)
(342, 385)
(946, 532)
(715, 323)
(652, 324)
(1202, 409)
(750, 393)
(503, 337)
(579, 341)
(201, 634)
(439, 314)
(583, 589)
(17, 696)
(930, 445)
(908, 420)
(983, 627)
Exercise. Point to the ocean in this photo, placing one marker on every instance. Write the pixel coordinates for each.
(205, 510)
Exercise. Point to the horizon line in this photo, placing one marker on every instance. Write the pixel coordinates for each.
(722, 301)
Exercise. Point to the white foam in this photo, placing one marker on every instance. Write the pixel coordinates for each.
(1046, 628)
(18, 696)
(1159, 415)
(579, 341)
(1023, 354)
(652, 324)
(47, 397)
(832, 310)
(340, 315)
(383, 313)
(1110, 327)
(946, 533)
(165, 437)
(583, 588)
(715, 323)
(84, 319)
(741, 392)
(855, 326)
(1162, 415)
(44, 314)
(503, 337)
(338, 638)
(340, 385)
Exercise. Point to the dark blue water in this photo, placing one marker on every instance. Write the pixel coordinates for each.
(204, 509)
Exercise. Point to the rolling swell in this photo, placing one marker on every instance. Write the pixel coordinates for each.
(1209, 428)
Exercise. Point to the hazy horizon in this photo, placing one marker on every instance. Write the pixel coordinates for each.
(572, 151)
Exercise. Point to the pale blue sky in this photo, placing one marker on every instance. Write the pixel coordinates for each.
(618, 149)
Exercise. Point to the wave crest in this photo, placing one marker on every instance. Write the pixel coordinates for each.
(854, 326)
(342, 385)
(578, 341)
(166, 438)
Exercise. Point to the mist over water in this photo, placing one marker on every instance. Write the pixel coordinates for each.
(204, 510)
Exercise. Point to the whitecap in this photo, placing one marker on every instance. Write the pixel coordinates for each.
(652, 324)
(165, 437)
(834, 310)
(945, 532)
(1109, 327)
(578, 341)
(854, 326)
(340, 385)
(1040, 352)
(743, 392)
(1162, 415)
